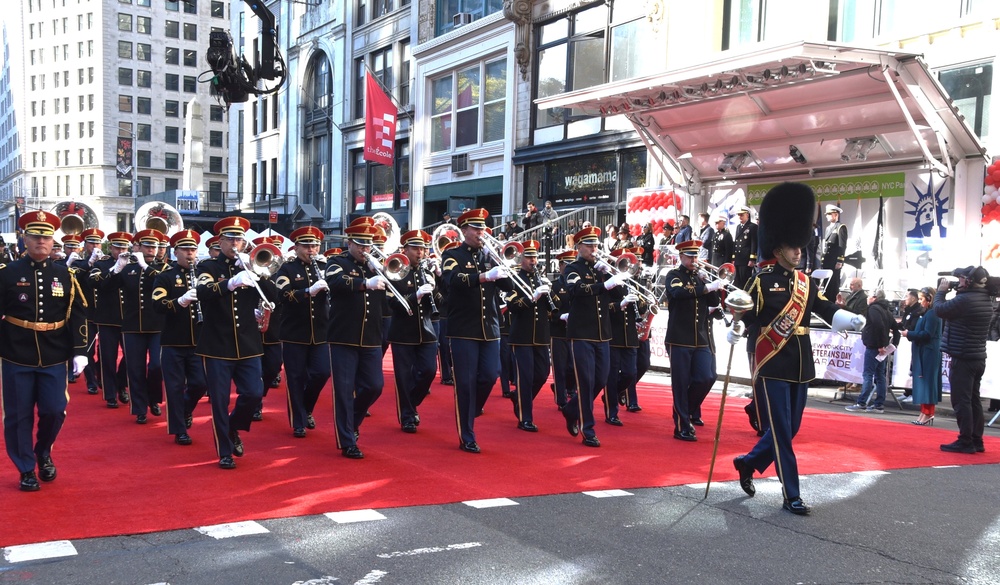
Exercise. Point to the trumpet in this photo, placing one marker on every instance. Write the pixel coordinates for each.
(378, 268)
(737, 300)
(264, 307)
(708, 273)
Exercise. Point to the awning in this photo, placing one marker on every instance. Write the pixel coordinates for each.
(797, 109)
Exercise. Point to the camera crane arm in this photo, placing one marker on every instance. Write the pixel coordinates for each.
(233, 76)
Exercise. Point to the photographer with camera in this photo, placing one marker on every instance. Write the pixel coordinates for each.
(966, 327)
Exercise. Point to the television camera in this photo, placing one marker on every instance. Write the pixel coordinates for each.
(233, 76)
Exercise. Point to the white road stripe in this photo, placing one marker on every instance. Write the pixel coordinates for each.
(41, 550)
(872, 472)
(327, 580)
(429, 550)
(220, 531)
(607, 493)
(373, 577)
(491, 503)
(354, 516)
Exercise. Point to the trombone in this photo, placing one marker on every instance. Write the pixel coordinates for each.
(378, 268)
(507, 255)
(629, 263)
(265, 307)
(398, 266)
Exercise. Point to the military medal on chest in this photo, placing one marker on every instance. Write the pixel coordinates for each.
(57, 288)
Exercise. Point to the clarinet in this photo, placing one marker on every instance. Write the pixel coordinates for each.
(423, 280)
(552, 304)
(319, 275)
(197, 305)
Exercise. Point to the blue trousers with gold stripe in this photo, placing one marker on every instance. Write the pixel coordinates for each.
(532, 371)
(591, 362)
(692, 373)
(414, 369)
(220, 374)
(780, 405)
(477, 366)
(357, 384)
(24, 388)
(307, 368)
(184, 382)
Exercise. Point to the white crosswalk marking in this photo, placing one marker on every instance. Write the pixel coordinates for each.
(354, 516)
(490, 503)
(429, 549)
(232, 529)
(608, 493)
(372, 577)
(40, 550)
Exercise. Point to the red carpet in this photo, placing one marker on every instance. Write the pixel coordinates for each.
(116, 477)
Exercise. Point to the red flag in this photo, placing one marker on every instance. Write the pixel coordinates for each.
(380, 123)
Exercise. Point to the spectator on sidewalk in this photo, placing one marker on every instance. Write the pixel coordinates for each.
(910, 310)
(857, 300)
(875, 336)
(925, 366)
(610, 237)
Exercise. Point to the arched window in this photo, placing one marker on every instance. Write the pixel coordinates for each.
(317, 98)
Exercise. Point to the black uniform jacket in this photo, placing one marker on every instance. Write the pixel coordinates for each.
(687, 321)
(745, 243)
(138, 313)
(529, 320)
(473, 307)
(770, 290)
(44, 319)
(416, 328)
(108, 298)
(355, 313)
(180, 324)
(835, 245)
(624, 327)
(304, 318)
(722, 248)
(557, 327)
(590, 302)
(230, 329)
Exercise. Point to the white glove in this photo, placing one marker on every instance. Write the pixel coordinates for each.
(376, 282)
(318, 287)
(715, 285)
(261, 271)
(373, 264)
(141, 261)
(73, 257)
(187, 298)
(602, 266)
(244, 259)
(60, 255)
(120, 263)
(540, 292)
(94, 256)
(734, 335)
(79, 362)
(844, 320)
(436, 266)
(564, 317)
(629, 299)
(242, 279)
(424, 290)
(496, 273)
(617, 280)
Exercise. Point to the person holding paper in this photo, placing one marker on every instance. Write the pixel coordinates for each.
(876, 338)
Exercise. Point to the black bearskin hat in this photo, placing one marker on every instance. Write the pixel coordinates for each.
(786, 218)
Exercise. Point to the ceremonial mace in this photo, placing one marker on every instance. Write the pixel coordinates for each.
(738, 302)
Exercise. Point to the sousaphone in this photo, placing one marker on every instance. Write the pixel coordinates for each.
(75, 217)
(157, 215)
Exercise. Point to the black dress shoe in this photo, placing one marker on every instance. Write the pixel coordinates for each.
(409, 428)
(188, 420)
(276, 381)
(258, 415)
(697, 422)
(959, 447)
(123, 397)
(796, 506)
(527, 426)
(46, 469)
(92, 390)
(448, 382)
(299, 433)
(73, 378)
(234, 436)
(140, 420)
(112, 404)
(615, 421)
(227, 463)
(572, 424)
(155, 409)
(591, 442)
(751, 411)
(508, 394)
(686, 435)
(182, 439)
(746, 475)
(310, 421)
(635, 408)
(352, 452)
(470, 447)
(29, 483)
(622, 398)
(980, 448)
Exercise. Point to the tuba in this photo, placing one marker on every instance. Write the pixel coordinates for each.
(391, 229)
(443, 235)
(75, 217)
(157, 215)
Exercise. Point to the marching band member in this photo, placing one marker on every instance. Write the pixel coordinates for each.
(444, 341)
(270, 362)
(357, 293)
(473, 322)
(92, 239)
(378, 241)
(175, 296)
(109, 306)
(624, 347)
(35, 346)
(212, 244)
(78, 266)
(592, 289)
(305, 300)
(414, 343)
(689, 344)
(784, 298)
(230, 339)
(563, 376)
(529, 336)
(141, 323)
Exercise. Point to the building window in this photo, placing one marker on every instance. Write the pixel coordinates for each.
(142, 186)
(359, 87)
(191, 84)
(215, 138)
(173, 5)
(216, 113)
(172, 81)
(172, 55)
(378, 187)
(218, 9)
(124, 22)
(262, 104)
(190, 31)
(475, 99)
(144, 78)
(215, 191)
(173, 29)
(316, 171)
(190, 58)
(144, 25)
(171, 161)
(144, 132)
(476, 9)
(143, 52)
(144, 105)
(171, 134)
(124, 103)
(404, 73)
(124, 76)
(143, 159)
(171, 108)
(215, 164)
(170, 184)
(970, 90)
(124, 52)
(191, 7)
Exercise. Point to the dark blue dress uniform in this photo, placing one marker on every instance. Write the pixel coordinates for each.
(270, 361)
(781, 385)
(44, 325)
(834, 248)
(107, 315)
(623, 355)
(473, 330)
(231, 344)
(441, 330)
(723, 247)
(529, 336)
(508, 369)
(563, 375)
(414, 348)
(589, 330)
(744, 250)
(690, 345)
(183, 370)
(304, 324)
(355, 337)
